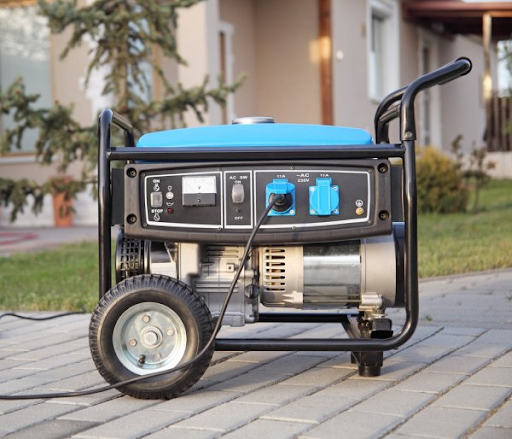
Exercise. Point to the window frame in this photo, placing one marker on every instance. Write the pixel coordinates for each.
(388, 11)
(228, 30)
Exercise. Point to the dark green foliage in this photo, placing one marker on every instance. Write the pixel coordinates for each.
(440, 185)
(124, 35)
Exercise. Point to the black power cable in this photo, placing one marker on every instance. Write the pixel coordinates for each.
(273, 200)
(40, 319)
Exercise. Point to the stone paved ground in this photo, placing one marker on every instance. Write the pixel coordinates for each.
(453, 380)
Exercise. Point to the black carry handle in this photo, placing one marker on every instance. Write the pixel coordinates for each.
(406, 95)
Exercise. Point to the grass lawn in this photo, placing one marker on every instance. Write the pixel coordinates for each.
(66, 278)
(461, 243)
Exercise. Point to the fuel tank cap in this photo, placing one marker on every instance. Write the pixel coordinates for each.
(252, 119)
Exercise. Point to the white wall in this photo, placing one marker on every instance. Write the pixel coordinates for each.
(462, 105)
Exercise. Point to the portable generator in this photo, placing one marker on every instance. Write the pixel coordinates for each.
(228, 225)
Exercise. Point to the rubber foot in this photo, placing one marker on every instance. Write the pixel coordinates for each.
(369, 371)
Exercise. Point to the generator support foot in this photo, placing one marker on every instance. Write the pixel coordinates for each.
(370, 363)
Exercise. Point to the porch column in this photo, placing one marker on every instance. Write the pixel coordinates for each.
(487, 85)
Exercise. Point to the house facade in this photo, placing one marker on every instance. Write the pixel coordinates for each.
(305, 61)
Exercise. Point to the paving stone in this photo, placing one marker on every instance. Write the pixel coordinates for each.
(57, 361)
(442, 422)
(259, 356)
(22, 384)
(502, 418)
(198, 401)
(430, 382)
(109, 410)
(497, 336)
(33, 415)
(464, 331)
(394, 402)
(492, 376)
(458, 364)
(393, 370)
(505, 361)
(88, 400)
(248, 383)
(12, 406)
(284, 330)
(492, 433)
(289, 365)
(188, 433)
(474, 397)
(82, 381)
(134, 425)
(223, 355)
(354, 425)
(263, 428)
(402, 436)
(278, 394)
(226, 417)
(7, 363)
(482, 350)
(318, 377)
(421, 333)
(228, 370)
(48, 351)
(447, 340)
(339, 361)
(326, 330)
(423, 354)
(14, 374)
(321, 405)
(55, 429)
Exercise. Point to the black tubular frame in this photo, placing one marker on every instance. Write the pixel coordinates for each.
(382, 149)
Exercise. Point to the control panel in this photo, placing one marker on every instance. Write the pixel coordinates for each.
(224, 203)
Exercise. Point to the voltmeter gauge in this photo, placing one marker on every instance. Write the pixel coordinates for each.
(199, 190)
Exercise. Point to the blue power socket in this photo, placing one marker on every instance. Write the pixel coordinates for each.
(281, 186)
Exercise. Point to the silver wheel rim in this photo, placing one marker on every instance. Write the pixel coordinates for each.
(149, 337)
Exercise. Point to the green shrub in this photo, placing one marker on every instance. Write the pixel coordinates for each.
(440, 184)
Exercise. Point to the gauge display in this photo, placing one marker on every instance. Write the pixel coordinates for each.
(199, 190)
(199, 184)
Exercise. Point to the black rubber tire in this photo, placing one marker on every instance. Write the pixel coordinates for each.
(185, 302)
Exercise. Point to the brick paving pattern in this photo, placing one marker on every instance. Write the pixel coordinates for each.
(452, 380)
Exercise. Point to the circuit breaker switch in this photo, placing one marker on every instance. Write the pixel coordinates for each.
(238, 193)
(324, 198)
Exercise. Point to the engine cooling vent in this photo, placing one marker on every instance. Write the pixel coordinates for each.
(282, 276)
(130, 257)
(274, 269)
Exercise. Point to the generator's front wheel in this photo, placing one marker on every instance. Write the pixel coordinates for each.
(147, 324)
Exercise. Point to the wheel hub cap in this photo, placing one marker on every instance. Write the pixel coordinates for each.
(151, 331)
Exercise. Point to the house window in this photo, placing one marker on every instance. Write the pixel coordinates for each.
(383, 48)
(25, 52)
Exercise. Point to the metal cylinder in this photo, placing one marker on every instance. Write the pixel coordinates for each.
(336, 275)
(331, 275)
